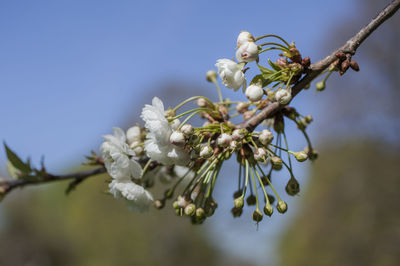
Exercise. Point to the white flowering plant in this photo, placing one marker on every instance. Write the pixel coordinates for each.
(187, 158)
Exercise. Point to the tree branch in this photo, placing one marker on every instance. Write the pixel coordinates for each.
(7, 185)
(315, 69)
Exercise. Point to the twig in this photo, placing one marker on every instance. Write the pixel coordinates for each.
(7, 185)
(315, 69)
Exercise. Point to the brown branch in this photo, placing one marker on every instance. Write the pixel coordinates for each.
(7, 185)
(349, 47)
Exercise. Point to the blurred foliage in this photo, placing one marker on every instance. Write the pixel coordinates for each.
(349, 214)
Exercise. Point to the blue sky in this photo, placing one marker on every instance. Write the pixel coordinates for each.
(71, 70)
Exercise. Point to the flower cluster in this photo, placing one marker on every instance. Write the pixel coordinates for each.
(190, 157)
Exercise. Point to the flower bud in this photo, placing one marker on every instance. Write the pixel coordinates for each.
(200, 213)
(159, 204)
(308, 119)
(175, 205)
(181, 201)
(247, 52)
(354, 65)
(175, 124)
(282, 62)
(276, 163)
(300, 156)
(320, 86)
(283, 96)
(133, 134)
(206, 152)
(281, 206)
(265, 137)
(177, 138)
(235, 145)
(224, 140)
(292, 187)
(268, 210)
(211, 76)
(238, 134)
(236, 212)
(187, 129)
(260, 154)
(190, 209)
(239, 202)
(137, 148)
(254, 93)
(201, 102)
(257, 215)
(244, 36)
(251, 200)
(242, 107)
(247, 115)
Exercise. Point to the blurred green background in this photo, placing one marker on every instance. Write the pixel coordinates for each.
(346, 213)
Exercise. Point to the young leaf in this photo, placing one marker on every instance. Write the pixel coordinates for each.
(16, 161)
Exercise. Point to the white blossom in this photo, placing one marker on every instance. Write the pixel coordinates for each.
(231, 73)
(133, 134)
(158, 145)
(244, 37)
(138, 198)
(265, 137)
(224, 140)
(247, 52)
(206, 151)
(283, 96)
(177, 138)
(254, 93)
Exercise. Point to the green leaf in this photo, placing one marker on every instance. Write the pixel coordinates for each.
(273, 65)
(261, 78)
(265, 70)
(16, 161)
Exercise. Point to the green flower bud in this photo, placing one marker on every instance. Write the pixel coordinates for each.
(200, 213)
(239, 202)
(320, 86)
(281, 206)
(308, 119)
(190, 209)
(236, 212)
(300, 156)
(257, 215)
(211, 75)
(292, 187)
(175, 204)
(268, 210)
(276, 163)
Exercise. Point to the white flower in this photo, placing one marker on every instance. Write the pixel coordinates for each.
(138, 198)
(265, 137)
(177, 138)
(283, 96)
(224, 140)
(247, 52)
(115, 152)
(187, 129)
(157, 145)
(133, 134)
(206, 151)
(231, 73)
(254, 93)
(244, 37)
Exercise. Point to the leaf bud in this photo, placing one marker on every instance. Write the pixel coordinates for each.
(354, 65)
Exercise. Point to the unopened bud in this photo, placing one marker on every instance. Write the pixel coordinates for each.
(190, 209)
(177, 138)
(244, 36)
(260, 154)
(345, 65)
(239, 134)
(175, 205)
(320, 85)
(308, 119)
(159, 204)
(276, 163)
(211, 76)
(187, 129)
(133, 134)
(283, 96)
(242, 107)
(247, 52)
(206, 151)
(201, 102)
(282, 62)
(236, 212)
(137, 148)
(224, 140)
(254, 93)
(200, 213)
(247, 115)
(182, 202)
(300, 156)
(354, 65)
(268, 210)
(292, 187)
(239, 202)
(265, 137)
(281, 206)
(257, 215)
